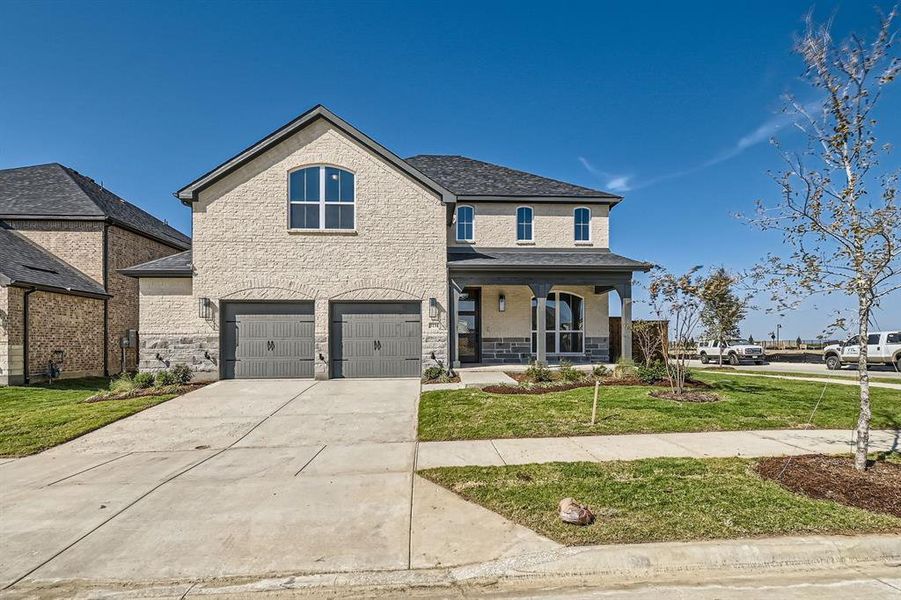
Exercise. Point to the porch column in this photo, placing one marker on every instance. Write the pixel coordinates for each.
(454, 318)
(624, 290)
(541, 290)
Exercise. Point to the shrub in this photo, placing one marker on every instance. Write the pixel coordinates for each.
(624, 369)
(122, 383)
(163, 378)
(539, 372)
(568, 372)
(143, 380)
(599, 371)
(652, 373)
(182, 373)
(434, 372)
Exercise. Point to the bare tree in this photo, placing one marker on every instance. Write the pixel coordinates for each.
(648, 336)
(722, 310)
(838, 211)
(677, 298)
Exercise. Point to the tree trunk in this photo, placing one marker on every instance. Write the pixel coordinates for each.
(863, 420)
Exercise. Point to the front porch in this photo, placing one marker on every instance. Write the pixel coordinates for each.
(497, 295)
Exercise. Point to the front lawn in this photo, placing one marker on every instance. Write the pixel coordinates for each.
(38, 417)
(748, 403)
(655, 500)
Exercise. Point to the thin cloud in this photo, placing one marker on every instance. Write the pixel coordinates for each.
(763, 133)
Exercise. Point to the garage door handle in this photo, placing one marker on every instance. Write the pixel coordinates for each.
(378, 345)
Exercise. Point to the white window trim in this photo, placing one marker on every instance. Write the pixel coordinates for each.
(456, 228)
(556, 330)
(590, 236)
(531, 238)
(322, 202)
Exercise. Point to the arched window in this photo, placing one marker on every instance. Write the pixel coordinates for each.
(564, 323)
(524, 224)
(582, 222)
(466, 224)
(321, 198)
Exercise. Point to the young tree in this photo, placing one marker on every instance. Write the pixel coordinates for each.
(648, 336)
(722, 309)
(676, 298)
(838, 210)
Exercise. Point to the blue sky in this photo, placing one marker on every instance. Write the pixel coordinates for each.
(671, 104)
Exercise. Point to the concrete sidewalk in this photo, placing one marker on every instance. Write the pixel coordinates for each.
(778, 442)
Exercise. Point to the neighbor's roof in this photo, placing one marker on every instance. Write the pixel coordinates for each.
(174, 265)
(588, 259)
(54, 191)
(190, 191)
(477, 180)
(24, 263)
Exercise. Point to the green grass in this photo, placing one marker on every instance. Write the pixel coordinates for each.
(748, 403)
(655, 500)
(38, 417)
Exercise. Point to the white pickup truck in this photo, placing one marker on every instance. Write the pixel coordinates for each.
(733, 351)
(883, 348)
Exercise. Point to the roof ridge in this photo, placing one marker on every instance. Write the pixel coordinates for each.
(69, 173)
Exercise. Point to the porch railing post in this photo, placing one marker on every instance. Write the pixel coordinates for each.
(452, 326)
(541, 290)
(625, 296)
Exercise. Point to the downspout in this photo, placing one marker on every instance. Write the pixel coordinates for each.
(106, 300)
(25, 334)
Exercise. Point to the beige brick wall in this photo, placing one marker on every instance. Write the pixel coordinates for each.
(11, 357)
(552, 226)
(73, 324)
(243, 249)
(79, 243)
(126, 249)
(516, 320)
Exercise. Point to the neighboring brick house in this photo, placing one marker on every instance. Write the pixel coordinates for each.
(319, 253)
(64, 238)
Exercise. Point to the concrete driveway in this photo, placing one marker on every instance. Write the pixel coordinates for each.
(243, 478)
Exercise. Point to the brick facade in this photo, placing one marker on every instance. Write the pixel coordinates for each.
(79, 243)
(552, 226)
(73, 324)
(11, 351)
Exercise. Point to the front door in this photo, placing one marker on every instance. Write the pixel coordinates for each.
(469, 326)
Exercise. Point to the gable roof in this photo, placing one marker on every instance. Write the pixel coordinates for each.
(189, 192)
(24, 263)
(54, 191)
(174, 265)
(472, 179)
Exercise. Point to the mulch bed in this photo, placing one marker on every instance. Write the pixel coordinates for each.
(526, 386)
(699, 397)
(454, 379)
(537, 388)
(141, 392)
(835, 478)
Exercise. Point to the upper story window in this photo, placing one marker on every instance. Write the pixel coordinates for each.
(321, 198)
(582, 224)
(465, 224)
(524, 224)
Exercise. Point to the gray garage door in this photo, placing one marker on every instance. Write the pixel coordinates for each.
(268, 340)
(376, 339)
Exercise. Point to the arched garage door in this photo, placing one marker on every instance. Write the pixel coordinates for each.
(267, 340)
(375, 339)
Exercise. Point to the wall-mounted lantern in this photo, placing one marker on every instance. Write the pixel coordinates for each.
(433, 308)
(501, 303)
(204, 308)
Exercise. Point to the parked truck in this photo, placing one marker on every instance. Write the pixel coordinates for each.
(733, 351)
(883, 348)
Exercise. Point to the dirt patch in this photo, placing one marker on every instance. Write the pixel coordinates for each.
(835, 478)
(689, 396)
(142, 392)
(454, 379)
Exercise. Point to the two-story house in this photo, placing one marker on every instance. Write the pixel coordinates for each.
(317, 252)
(63, 239)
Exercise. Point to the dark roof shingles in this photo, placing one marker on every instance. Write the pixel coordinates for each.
(24, 262)
(550, 259)
(54, 190)
(173, 265)
(468, 177)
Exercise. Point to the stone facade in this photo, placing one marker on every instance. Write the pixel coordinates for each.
(243, 249)
(11, 330)
(506, 335)
(73, 324)
(552, 226)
